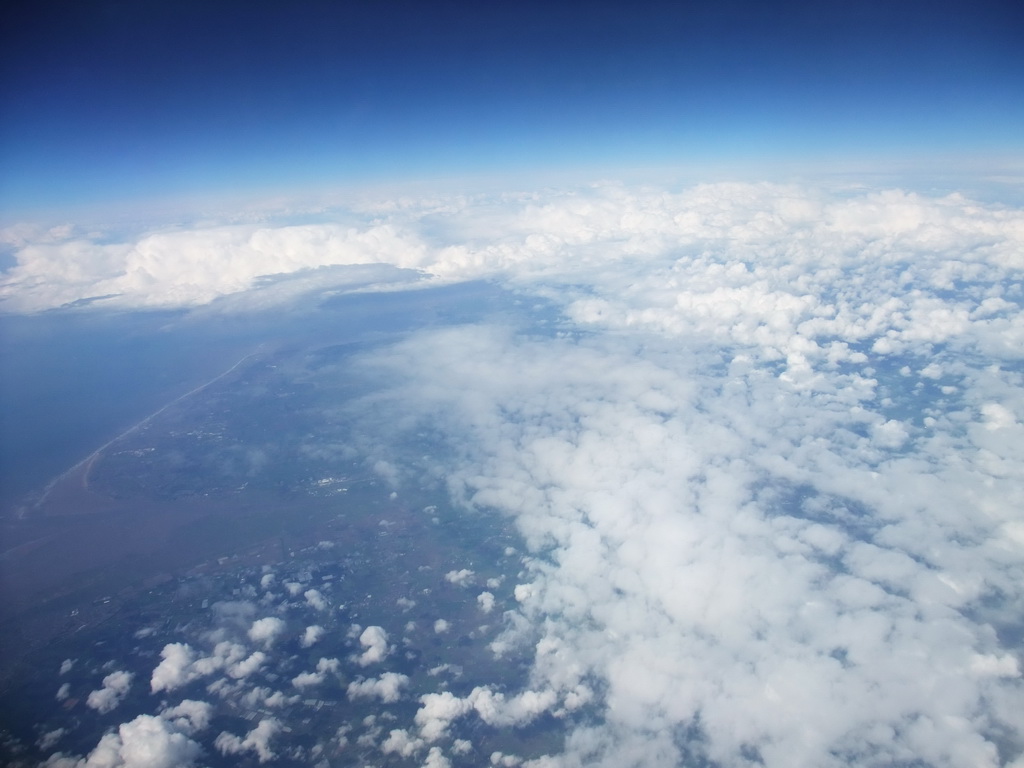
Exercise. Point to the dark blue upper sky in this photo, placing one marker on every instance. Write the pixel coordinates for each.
(105, 101)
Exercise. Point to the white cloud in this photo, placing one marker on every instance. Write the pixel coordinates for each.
(743, 518)
(115, 688)
(145, 742)
(175, 268)
(266, 630)
(181, 665)
(323, 668)
(188, 716)
(247, 666)
(375, 641)
(257, 740)
(436, 759)
(460, 578)
(388, 687)
(316, 600)
(441, 626)
(769, 469)
(401, 743)
(260, 696)
(311, 636)
(486, 601)
(405, 603)
(436, 713)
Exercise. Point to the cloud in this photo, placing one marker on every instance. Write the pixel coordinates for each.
(145, 742)
(388, 687)
(436, 713)
(181, 665)
(49, 739)
(744, 469)
(401, 743)
(257, 740)
(194, 267)
(436, 759)
(768, 464)
(260, 696)
(266, 630)
(247, 666)
(176, 668)
(323, 667)
(316, 600)
(311, 635)
(375, 641)
(681, 575)
(486, 601)
(188, 716)
(495, 709)
(115, 688)
(459, 578)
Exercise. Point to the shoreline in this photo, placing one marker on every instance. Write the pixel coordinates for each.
(84, 467)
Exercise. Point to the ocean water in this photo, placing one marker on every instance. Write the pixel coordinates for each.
(72, 380)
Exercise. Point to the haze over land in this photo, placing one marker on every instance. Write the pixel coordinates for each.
(461, 386)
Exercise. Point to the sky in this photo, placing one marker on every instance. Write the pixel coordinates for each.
(118, 101)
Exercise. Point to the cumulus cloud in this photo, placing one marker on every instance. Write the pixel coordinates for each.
(486, 601)
(311, 635)
(180, 664)
(746, 478)
(115, 688)
(323, 668)
(257, 740)
(145, 742)
(436, 759)
(436, 713)
(175, 268)
(460, 578)
(388, 687)
(266, 630)
(438, 710)
(316, 600)
(375, 641)
(399, 742)
(260, 696)
(188, 716)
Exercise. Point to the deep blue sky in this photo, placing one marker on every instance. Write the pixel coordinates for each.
(104, 101)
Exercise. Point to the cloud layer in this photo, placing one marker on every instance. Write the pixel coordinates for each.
(769, 467)
(773, 484)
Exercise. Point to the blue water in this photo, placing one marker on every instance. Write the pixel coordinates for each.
(72, 380)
